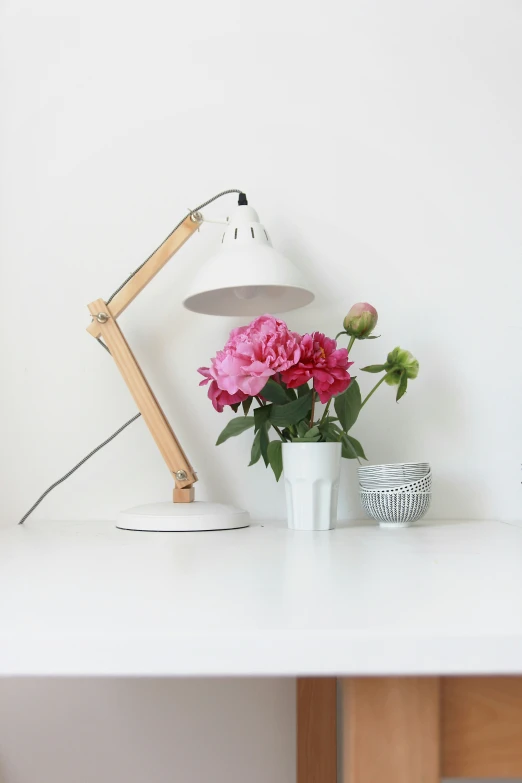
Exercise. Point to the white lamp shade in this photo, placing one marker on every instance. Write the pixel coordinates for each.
(247, 276)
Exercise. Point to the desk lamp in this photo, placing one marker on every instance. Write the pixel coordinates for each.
(246, 277)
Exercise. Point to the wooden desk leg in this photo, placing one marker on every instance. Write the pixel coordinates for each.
(391, 730)
(316, 730)
(481, 720)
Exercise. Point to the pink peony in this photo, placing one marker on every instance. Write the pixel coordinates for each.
(251, 356)
(322, 361)
(219, 397)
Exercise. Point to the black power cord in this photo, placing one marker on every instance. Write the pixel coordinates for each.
(241, 201)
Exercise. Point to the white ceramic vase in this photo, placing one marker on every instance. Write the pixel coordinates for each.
(311, 473)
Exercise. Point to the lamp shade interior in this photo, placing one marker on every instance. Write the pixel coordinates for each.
(247, 276)
(261, 299)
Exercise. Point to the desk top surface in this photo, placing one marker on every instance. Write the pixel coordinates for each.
(87, 599)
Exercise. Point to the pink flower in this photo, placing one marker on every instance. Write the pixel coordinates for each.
(219, 397)
(250, 357)
(322, 361)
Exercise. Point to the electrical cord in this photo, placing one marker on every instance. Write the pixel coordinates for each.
(242, 200)
(192, 211)
(82, 462)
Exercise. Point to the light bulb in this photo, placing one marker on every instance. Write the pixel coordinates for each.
(248, 291)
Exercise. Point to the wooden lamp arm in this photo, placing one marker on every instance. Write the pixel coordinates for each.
(128, 292)
(104, 326)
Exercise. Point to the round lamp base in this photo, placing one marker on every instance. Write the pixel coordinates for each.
(182, 517)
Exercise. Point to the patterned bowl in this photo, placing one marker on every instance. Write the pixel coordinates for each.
(397, 509)
(393, 475)
(422, 485)
(398, 466)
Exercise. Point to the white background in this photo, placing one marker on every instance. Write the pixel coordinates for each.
(380, 143)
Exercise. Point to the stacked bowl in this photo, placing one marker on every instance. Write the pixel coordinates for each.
(396, 495)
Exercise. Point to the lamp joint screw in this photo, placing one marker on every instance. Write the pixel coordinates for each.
(196, 217)
(181, 475)
(102, 318)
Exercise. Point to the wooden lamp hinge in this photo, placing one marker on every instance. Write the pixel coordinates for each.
(183, 495)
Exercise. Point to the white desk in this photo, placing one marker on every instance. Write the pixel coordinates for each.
(87, 599)
(436, 599)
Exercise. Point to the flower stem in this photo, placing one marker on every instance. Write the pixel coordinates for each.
(279, 433)
(374, 389)
(350, 344)
(312, 411)
(325, 412)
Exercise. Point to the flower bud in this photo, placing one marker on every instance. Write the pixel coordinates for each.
(400, 361)
(361, 320)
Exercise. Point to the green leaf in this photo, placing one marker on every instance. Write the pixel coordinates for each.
(274, 392)
(246, 405)
(261, 415)
(359, 451)
(256, 449)
(302, 429)
(329, 420)
(264, 442)
(348, 450)
(235, 407)
(374, 368)
(403, 385)
(331, 432)
(292, 412)
(275, 457)
(372, 337)
(302, 390)
(348, 405)
(311, 433)
(235, 427)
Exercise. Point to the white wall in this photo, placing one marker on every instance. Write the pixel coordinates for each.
(159, 731)
(380, 143)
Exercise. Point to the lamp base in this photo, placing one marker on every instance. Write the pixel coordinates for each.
(182, 517)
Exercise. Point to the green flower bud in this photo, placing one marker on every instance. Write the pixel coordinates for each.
(398, 361)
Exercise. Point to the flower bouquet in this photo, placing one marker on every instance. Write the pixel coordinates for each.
(276, 380)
